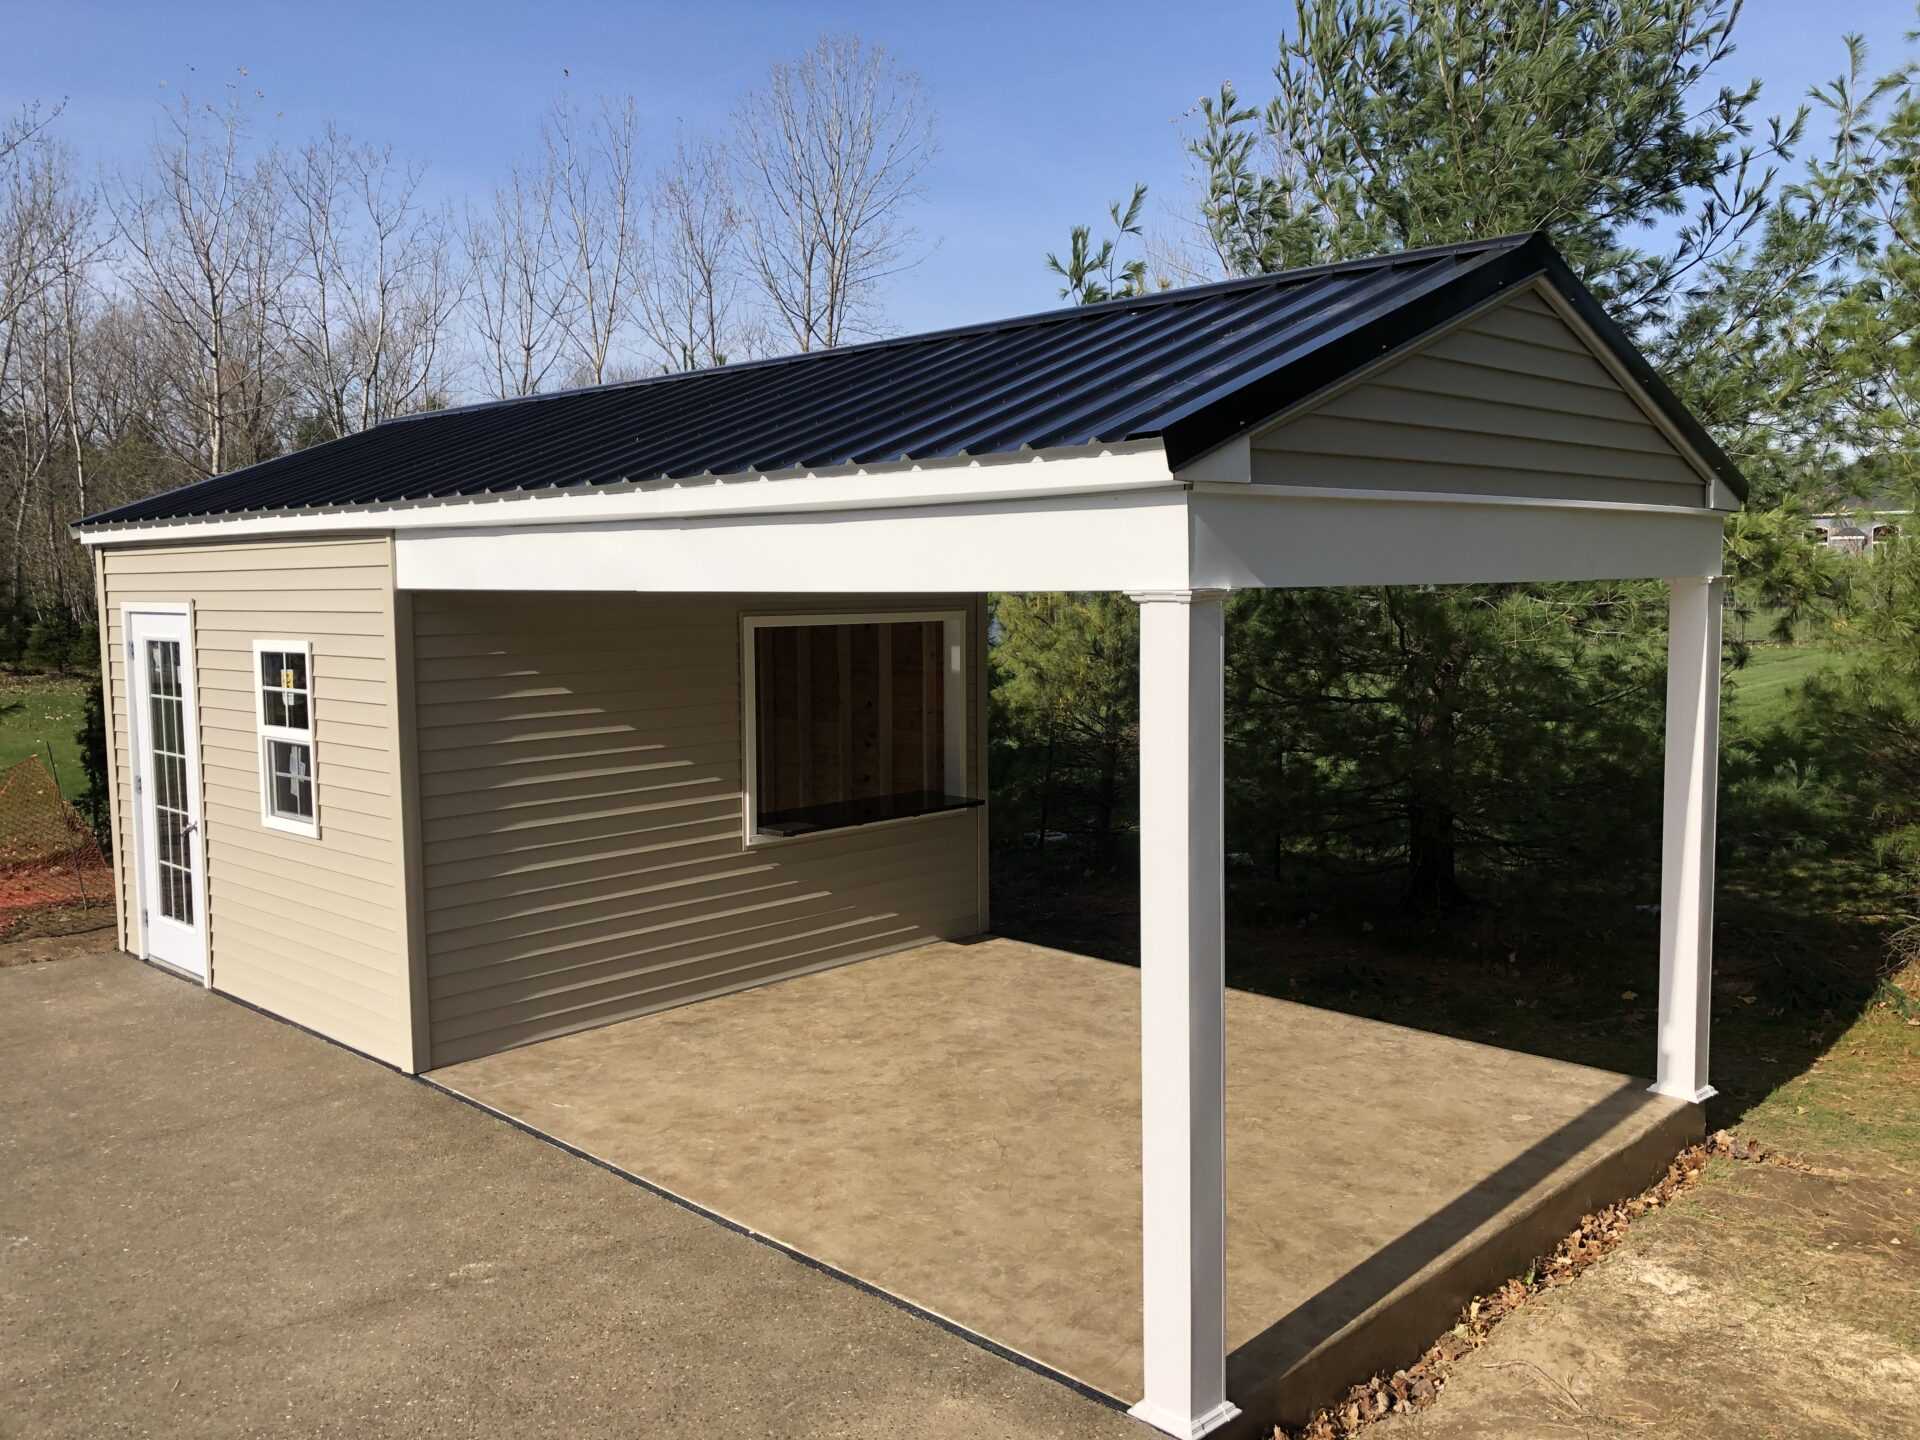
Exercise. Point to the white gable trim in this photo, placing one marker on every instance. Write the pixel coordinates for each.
(1716, 487)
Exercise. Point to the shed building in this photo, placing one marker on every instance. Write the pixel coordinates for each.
(491, 725)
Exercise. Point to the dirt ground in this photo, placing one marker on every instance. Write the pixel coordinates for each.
(58, 936)
(1768, 1301)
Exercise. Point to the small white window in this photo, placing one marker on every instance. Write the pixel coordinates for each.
(283, 702)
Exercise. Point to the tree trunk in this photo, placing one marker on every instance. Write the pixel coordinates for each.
(1046, 784)
(1433, 883)
(1106, 842)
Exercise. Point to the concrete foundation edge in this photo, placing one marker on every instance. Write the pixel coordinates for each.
(1397, 1331)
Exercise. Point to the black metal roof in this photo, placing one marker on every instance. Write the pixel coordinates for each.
(1192, 367)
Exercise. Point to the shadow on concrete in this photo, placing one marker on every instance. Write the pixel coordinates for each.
(1431, 1271)
(1579, 984)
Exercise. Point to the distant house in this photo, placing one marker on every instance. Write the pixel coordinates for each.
(1860, 525)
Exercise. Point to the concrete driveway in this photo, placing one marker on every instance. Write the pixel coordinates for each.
(213, 1224)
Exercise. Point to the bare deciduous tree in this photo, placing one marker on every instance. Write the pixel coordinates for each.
(831, 153)
(598, 226)
(27, 179)
(74, 250)
(204, 238)
(519, 292)
(690, 302)
(47, 244)
(228, 299)
(370, 319)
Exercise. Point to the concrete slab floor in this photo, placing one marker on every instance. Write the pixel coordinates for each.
(960, 1126)
(214, 1225)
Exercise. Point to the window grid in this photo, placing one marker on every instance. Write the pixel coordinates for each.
(173, 821)
(283, 691)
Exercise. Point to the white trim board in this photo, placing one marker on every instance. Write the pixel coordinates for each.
(1031, 475)
(1302, 538)
(264, 735)
(136, 722)
(1077, 542)
(1214, 536)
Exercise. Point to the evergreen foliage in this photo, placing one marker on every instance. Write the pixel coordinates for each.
(95, 801)
(1455, 735)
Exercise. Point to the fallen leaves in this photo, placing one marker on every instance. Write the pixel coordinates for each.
(1596, 1236)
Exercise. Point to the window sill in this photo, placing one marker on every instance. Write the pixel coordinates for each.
(817, 820)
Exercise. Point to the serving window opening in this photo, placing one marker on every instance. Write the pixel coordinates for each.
(853, 720)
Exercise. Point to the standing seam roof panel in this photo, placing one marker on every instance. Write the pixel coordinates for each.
(1210, 361)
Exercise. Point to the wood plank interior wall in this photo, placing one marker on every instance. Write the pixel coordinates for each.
(310, 929)
(581, 791)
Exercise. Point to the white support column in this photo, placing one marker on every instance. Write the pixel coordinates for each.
(1687, 844)
(1182, 1011)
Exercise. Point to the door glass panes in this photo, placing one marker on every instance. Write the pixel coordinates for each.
(172, 817)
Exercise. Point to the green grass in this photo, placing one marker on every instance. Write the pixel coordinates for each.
(1762, 689)
(1861, 1096)
(38, 711)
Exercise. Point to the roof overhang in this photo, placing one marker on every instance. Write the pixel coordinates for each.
(1197, 535)
(1033, 475)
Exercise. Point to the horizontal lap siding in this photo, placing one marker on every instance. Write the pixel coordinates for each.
(1514, 403)
(310, 929)
(580, 769)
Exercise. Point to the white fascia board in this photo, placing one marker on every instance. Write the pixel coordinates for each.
(1266, 536)
(1062, 541)
(1028, 475)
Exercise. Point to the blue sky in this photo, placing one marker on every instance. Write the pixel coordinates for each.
(1046, 112)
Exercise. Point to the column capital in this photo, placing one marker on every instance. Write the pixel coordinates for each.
(1211, 595)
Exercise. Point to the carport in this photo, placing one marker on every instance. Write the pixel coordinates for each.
(667, 599)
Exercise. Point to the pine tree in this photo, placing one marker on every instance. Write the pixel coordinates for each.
(1068, 687)
(1421, 729)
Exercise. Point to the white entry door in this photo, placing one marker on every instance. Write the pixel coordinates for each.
(166, 789)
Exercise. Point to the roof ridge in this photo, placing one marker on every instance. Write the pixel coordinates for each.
(1059, 314)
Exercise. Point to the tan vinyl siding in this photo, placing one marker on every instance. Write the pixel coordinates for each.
(1512, 403)
(580, 798)
(310, 929)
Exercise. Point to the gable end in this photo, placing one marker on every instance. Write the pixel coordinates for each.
(1513, 402)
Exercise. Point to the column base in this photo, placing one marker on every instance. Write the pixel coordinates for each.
(1698, 1097)
(1174, 1423)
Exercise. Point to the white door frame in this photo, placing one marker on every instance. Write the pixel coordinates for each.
(197, 962)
